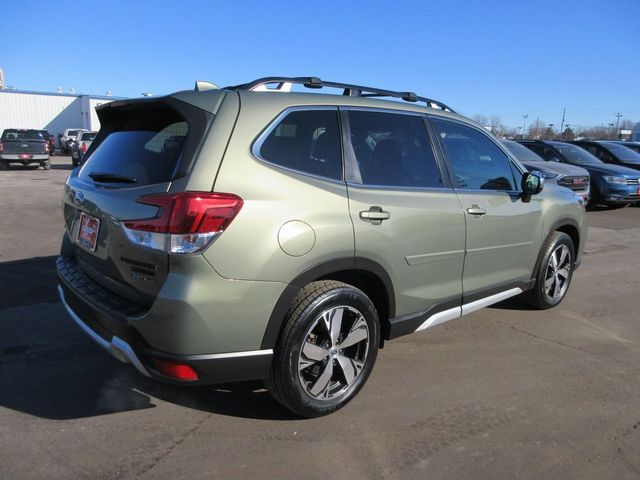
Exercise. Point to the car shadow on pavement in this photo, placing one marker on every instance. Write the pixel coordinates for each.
(13, 166)
(49, 368)
(58, 166)
(513, 303)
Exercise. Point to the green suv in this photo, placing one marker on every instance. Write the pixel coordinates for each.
(252, 232)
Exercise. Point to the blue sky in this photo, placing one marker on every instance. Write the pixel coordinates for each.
(505, 58)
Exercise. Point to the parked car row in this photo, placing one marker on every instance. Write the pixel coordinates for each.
(80, 146)
(68, 137)
(613, 167)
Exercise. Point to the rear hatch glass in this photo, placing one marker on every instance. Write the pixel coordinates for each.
(144, 147)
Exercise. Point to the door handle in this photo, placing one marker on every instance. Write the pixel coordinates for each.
(375, 215)
(476, 210)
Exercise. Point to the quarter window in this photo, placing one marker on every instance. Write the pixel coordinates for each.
(477, 162)
(393, 150)
(307, 141)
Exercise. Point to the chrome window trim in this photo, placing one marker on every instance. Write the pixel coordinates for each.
(400, 188)
(273, 124)
(381, 110)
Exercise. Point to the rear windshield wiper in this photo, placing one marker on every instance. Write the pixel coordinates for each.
(106, 177)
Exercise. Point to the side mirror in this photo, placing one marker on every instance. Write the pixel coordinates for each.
(552, 158)
(532, 184)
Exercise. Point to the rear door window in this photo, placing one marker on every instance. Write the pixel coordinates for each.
(143, 145)
(393, 150)
(305, 140)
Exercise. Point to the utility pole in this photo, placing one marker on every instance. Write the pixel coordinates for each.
(524, 123)
(537, 131)
(618, 115)
(564, 110)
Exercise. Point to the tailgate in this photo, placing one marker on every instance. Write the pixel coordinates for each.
(140, 150)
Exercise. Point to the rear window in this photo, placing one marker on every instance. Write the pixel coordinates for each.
(143, 145)
(73, 133)
(88, 136)
(307, 141)
(21, 135)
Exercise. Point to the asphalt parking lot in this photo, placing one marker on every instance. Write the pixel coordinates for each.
(503, 393)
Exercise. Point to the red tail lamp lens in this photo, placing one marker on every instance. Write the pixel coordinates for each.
(189, 212)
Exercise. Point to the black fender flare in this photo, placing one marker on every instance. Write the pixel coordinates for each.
(323, 270)
(561, 222)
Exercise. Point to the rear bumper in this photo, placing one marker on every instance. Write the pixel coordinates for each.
(116, 346)
(15, 158)
(123, 332)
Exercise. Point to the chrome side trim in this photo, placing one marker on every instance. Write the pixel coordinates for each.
(456, 312)
(414, 260)
(482, 250)
(222, 356)
(485, 302)
(116, 347)
(441, 317)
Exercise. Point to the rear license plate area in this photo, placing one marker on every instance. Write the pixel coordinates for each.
(88, 231)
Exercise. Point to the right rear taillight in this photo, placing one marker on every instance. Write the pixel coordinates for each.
(1, 147)
(83, 147)
(186, 222)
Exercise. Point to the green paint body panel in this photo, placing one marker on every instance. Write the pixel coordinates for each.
(432, 250)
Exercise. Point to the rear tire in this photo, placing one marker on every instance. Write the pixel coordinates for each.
(46, 166)
(554, 272)
(326, 350)
(4, 165)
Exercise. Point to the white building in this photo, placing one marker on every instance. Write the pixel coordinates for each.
(53, 112)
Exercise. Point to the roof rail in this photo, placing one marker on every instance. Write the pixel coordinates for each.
(284, 84)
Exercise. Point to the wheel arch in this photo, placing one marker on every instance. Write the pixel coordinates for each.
(568, 226)
(362, 273)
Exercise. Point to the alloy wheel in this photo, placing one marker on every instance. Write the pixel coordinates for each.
(558, 273)
(333, 352)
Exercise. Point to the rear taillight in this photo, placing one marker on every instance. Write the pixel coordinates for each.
(1, 147)
(83, 147)
(186, 222)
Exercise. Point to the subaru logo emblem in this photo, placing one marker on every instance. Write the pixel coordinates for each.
(78, 198)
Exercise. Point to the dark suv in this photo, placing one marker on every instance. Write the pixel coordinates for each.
(611, 185)
(236, 234)
(611, 152)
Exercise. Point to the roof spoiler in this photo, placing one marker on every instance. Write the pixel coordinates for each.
(202, 86)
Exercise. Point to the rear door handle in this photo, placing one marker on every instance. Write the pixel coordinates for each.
(476, 210)
(375, 215)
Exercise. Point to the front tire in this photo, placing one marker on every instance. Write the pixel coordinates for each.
(554, 272)
(326, 350)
